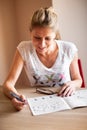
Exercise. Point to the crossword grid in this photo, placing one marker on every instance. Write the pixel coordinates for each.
(47, 104)
(52, 103)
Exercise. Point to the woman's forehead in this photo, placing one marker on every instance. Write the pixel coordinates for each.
(42, 31)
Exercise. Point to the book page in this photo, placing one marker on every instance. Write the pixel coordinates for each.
(53, 103)
(82, 93)
(77, 100)
(47, 104)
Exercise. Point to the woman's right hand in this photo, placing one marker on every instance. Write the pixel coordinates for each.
(18, 104)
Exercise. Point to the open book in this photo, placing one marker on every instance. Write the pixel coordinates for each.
(53, 103)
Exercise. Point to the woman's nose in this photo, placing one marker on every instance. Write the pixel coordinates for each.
(43, 42)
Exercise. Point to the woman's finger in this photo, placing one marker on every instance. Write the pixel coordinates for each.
(18, 104)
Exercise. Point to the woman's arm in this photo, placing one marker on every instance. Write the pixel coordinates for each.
(76, 80)
(75, 73)
(13, 75)
(9, 84)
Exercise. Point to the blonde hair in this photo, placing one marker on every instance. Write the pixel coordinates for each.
(45, 17)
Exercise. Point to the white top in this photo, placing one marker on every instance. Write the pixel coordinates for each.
(38, 73)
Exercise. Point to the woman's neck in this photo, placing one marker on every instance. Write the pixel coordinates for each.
(50, 51)
(49, 58)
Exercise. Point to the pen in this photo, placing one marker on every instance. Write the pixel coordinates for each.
(16, 96)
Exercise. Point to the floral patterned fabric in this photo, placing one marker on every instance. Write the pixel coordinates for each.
(38, 73)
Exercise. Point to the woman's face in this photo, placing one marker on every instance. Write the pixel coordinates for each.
(43, 38)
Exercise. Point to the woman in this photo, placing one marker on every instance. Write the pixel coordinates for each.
(47, 61)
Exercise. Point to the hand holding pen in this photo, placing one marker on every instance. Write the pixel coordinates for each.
(19, 102)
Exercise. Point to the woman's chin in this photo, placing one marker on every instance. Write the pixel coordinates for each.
(43, 50)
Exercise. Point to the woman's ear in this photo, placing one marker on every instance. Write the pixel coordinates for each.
(58, 36)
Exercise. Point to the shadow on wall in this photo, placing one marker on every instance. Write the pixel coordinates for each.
(23, 80)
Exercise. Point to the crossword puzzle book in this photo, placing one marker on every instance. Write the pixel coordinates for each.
(53, 103)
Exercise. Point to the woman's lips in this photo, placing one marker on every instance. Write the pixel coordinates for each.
(42, 49)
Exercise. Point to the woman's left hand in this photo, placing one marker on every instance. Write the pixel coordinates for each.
(67, 89)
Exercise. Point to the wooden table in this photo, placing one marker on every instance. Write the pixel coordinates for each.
(10, 119)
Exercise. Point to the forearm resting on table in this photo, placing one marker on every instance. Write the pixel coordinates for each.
(77, 83)
(7, 88)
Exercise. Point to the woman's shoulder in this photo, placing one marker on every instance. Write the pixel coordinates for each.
(24, 44)
(67, 48)
(24, 49)
(67, 45)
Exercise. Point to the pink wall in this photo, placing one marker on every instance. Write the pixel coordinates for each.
(24, 11)
(14, 24)
(15, 17)
(73, 25)
(8, 36)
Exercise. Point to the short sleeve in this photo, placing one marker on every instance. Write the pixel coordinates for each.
(23, 49)
(72, 50)
(69, 49)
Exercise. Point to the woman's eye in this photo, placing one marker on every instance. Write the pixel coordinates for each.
(38, 38)
(48, 39)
